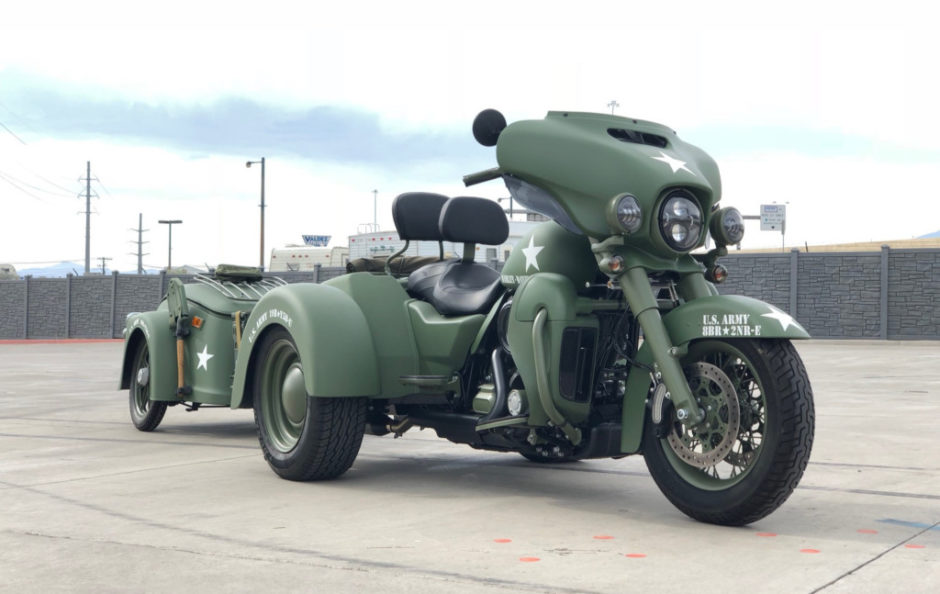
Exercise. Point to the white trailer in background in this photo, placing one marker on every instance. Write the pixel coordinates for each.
(385, 243)
(305, 257)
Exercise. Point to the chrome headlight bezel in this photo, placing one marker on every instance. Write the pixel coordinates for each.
(625, 214)
(681, 221)
(727, 226)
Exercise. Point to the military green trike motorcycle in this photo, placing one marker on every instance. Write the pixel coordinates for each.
(602, 336)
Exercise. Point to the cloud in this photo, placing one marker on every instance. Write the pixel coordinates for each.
(240, 126)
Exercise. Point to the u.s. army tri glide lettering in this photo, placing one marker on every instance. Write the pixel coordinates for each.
(602, 336)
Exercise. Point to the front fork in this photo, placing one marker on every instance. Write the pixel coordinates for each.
(634, 281)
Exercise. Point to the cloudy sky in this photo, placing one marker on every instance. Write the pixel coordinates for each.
(830, 107)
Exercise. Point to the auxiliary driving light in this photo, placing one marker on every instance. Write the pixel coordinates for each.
(627, 213)
(727, 226)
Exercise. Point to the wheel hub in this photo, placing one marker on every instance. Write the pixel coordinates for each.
(709, 442)
(294, 394)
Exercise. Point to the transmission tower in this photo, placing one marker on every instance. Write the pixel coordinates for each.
(87, 179)
(103, 260)
(140, 243)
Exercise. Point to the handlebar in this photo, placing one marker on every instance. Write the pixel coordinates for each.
(481, 176)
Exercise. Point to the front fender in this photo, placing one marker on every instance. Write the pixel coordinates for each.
(719, 316)
(332, 338)
(730, 316)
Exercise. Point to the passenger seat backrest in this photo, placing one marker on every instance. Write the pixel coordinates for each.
(417, 214)
(466, 219)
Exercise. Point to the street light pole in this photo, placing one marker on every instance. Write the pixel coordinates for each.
(249, 164)
(375, 210)
(169, 251)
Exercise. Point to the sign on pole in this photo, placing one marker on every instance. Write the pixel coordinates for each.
(773, 217)
(317, 240)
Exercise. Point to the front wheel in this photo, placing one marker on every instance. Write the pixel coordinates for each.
(747, 456)
(302, 438)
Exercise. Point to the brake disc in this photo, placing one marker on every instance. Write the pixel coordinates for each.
(709, 442)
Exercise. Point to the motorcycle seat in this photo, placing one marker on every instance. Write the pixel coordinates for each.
(465, 287)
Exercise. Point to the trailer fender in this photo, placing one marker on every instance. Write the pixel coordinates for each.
(151, 328)
(332, 338)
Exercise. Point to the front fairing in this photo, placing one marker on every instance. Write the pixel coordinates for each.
(584, 160)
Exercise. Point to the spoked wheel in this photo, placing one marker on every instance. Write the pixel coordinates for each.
(303, 438)
(146, 414)
(747, 456)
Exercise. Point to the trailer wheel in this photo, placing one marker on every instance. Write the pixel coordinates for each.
(146, 414)
(303, 438)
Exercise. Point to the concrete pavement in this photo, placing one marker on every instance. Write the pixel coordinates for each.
(89, 504)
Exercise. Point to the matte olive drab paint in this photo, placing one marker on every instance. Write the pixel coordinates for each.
(383, 302)
(729, 316)
(443, 343)
(548, 290)
(152, 327)
(556, 251)
(332, 336)
(633, 416)
(583, 165)
(209, 356)
(555, 294)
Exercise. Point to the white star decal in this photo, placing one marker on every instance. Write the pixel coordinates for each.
(674, 164)
(204, 357)
(531, 254)
(785, 319)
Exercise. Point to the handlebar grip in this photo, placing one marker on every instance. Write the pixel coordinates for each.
(481, 176)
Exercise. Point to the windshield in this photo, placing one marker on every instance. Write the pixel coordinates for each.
(538, 200)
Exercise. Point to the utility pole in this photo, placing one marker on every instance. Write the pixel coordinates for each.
(169, 253)
(87, 181)
(613, 105)
(140, 243)
(249, 164)
(375, 210)
(103, 260)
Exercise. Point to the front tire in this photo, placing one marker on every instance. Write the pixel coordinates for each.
(146, 414)
(303, 438)
(747, 457)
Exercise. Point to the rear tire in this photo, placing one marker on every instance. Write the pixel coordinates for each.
(303, 438)
(146, 414)
(760, 397)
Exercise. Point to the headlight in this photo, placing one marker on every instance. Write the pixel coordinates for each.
(626, 213)
(680, 221)
(727, 226)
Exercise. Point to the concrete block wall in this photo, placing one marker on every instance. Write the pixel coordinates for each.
(913, 294)
(47, 310)
(840, 297)
(891, 294)
(90, 301)
(761, 276)
(12, 309)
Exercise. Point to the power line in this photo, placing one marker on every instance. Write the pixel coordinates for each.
(9, 177)
(12, 133)
(28, 193)
(106, 190)
(17, 117)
